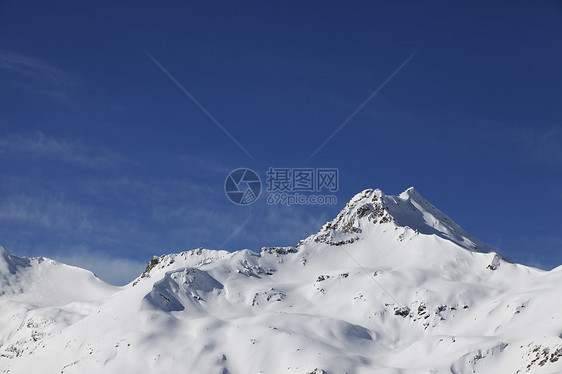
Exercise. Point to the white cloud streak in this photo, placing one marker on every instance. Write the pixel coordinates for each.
(53, 214)
(38, 76)
(42, 146)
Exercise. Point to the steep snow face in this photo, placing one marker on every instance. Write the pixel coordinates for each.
(411, 209)
(391, 285)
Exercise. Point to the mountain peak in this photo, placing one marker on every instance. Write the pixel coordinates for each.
(365, 208)
(410, 192)
(408, 210)
(10, 263)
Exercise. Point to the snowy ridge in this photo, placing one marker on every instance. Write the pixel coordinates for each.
(44, 282)
(391, 285)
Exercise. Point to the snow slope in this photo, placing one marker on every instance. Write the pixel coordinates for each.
(391, 285)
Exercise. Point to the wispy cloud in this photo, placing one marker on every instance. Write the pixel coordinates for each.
(52, 214)
(27, 65)
(108, 267)
(543, 252)
(291, 224)
(40, 145)
(534, 143)
(210, 163)
(38, 76)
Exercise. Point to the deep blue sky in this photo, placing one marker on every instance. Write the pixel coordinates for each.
(105, 162)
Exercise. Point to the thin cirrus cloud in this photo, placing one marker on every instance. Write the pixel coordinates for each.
(36, 75)
(52, 214)
(40, 145)
(537, 143)
(109, 267)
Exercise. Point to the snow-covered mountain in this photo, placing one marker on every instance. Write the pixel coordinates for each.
(391, 285)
